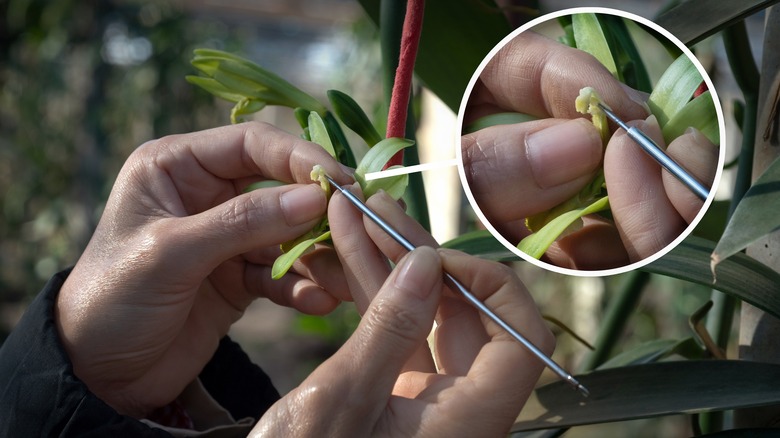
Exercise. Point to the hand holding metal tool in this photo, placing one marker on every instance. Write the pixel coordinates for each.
(658, 154)
(456, 285)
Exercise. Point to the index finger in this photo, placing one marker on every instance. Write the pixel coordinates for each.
(246, 150)
(535, 75)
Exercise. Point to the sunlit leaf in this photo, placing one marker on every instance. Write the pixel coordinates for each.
(590, 38)
(674, 89)
(377, 156)
(395, 186)
(653, 390)
(698, 113)
(755, 216)
(283, 263)
(537, 243)
(319, 134)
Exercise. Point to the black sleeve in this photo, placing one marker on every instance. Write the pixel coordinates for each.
(40, 395)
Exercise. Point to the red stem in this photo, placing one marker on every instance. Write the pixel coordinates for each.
(402, 85)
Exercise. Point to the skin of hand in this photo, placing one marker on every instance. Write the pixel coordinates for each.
(378, 383)
(516, 171)
(181, 250)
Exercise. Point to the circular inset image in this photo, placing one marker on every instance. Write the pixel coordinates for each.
(590, 141)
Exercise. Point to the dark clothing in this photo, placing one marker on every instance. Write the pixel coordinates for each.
(40, 395)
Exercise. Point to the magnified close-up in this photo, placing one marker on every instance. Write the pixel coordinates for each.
(590, 142)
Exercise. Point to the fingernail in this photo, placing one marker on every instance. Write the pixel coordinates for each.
(348, 171)
(696, 135)
(303, 204)
(563, 152)
(418, 272)
(637, 97)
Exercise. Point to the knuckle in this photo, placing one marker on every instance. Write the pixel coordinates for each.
(395, 322)
(240, 214)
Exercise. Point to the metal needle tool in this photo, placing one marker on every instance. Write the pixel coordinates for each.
(658, 154)
(451, 281)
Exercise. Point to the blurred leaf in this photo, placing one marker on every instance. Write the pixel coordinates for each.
(455, 39)
(283, 263)
(482, 244)
(624, 51)
(590, 38)
(395, 186)
(739, 275)
(756, 215)
(652, 390)
(537, 243)
(713, 222)
(497, 119)
(674, 89)
(653, 351)
(350, 113)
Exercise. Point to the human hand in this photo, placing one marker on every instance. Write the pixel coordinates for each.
(516, 171)
(181, 251)
(378, 384)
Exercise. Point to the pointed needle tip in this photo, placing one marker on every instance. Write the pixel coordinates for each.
(583, 390)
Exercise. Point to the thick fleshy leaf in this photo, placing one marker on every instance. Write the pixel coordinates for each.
(739, 275)
(283, 263)
(590, 38)
(353, 116)
(698, 113)
(655, 350)
(537, 243)
(652, 390)
(319, 134)
(755, 216)
(395, 186)
(377, 156)
(674, 89)
(482, 244)
(497, 119)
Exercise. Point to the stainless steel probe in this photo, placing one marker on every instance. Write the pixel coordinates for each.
(451, 281)
(658, 154)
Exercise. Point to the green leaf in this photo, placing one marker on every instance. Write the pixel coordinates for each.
(214, 87)
(214, 62)
(482, 244)
(376, 157)
(243, 107)
(756, 215)
(590, 38)
(454, 41)
(283, 263)
(624, 52)
(674, 89)
(739, 275)
(655, 350)
(698, 113)
(395, 186)
(497, 119)
(353, 117)
(537, 243)
(652, 390)
(319, 134)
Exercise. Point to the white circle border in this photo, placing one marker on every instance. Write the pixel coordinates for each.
(721, 153)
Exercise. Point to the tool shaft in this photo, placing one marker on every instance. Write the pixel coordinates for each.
(470, 297)
(651, 148)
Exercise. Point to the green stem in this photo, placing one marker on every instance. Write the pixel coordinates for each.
(617, 315)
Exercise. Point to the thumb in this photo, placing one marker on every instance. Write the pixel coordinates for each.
(397, 322)
(263, 217)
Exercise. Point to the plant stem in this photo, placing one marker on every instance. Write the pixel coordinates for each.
(402, 85)
(617, 315)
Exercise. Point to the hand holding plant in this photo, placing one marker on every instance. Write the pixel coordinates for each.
(546, 177)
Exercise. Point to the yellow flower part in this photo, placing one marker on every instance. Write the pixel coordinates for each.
(588, 103)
